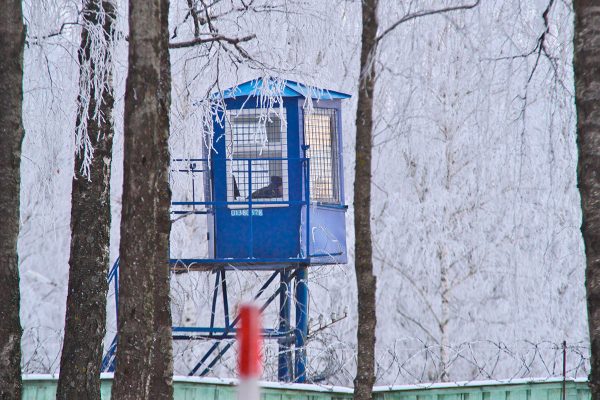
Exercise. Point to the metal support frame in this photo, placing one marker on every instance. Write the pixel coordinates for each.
(228, 332)
(291, 337)
(284, 368)
(108, 361)
(301, 331)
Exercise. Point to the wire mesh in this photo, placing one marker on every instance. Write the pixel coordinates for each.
(320, 132)
(257, 148)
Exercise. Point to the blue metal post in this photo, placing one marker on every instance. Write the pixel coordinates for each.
(213, 310)
(308, 236)
(108, 361)
(192, 168)
(225, 299)
(285, 355)
(251, 241)
(301, 324)
(117, 291)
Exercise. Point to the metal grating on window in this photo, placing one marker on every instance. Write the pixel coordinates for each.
(256, 156)
(320, 134)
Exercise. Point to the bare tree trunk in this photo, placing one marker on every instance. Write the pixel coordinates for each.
(12, 40)
(85, 321)
(587, 100)
(144, 363)
(365, 280)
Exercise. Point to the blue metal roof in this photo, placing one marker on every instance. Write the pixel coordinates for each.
(288, 89)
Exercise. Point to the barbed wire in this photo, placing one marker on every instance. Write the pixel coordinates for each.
(412, 361)
(332, 357)
(331, 354)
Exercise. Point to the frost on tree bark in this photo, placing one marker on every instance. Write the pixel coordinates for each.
(365, 279)
(144, 362)
(85, 322)
(12, 40)
(587, 100)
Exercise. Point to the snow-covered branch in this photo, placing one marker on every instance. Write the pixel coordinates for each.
(212, 37)
(423, 13)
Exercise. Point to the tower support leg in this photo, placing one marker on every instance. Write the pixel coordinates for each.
(285, 371)
(301, 331)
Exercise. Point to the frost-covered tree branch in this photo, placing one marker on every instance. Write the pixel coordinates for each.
(96, 70)
(35, 40)
(424, 13)
(213, 37)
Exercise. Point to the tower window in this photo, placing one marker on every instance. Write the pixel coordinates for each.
(320, 134)
(256, 153)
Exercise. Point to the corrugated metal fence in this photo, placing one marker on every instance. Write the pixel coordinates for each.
(43, 387)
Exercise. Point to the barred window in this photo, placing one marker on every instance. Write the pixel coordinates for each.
(256, 141)
(320, 134)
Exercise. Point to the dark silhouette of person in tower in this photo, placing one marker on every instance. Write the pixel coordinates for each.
(272, 190)
(236, 190)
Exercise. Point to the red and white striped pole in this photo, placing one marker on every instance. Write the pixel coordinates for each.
(250, 352)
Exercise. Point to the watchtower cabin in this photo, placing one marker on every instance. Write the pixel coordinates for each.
(274, 192)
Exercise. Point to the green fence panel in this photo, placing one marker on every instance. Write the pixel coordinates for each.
(43, 387)
(517, 390)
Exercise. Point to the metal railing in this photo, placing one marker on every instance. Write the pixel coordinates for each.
(209, 205)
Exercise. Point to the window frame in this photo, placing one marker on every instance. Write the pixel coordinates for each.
(258, 154)
(333, 163)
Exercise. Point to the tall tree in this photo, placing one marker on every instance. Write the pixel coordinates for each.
(85, 321)
(12, 40)
(587, 95)
(363, 252)
(144, 362)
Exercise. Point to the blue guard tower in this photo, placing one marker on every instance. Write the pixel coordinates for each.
(272, 174)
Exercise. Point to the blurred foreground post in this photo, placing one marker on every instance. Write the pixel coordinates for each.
(249, 361)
